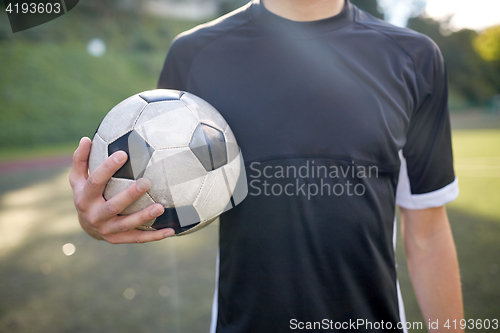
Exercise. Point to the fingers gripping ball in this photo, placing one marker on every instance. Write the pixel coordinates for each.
(184, 146)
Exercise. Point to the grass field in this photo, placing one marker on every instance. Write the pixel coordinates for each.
(168, 286)
(477, 164)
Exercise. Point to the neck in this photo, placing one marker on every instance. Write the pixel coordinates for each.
(304, 10)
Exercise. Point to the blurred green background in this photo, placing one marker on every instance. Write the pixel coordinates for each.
(53, 92)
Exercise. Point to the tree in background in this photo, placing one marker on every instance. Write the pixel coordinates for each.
(471, 77)
(487, 44)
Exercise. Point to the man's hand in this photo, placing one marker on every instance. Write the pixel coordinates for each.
(433, 265)
(98, 217)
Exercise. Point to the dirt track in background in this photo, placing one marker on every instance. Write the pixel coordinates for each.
(35, 163)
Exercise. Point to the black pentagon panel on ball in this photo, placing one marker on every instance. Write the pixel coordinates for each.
(160, 95)
(180, 219)
(208, 145)
(216, 145)
(139, 153)
(199, 147)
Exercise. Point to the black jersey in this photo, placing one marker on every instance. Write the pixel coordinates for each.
(326, 113)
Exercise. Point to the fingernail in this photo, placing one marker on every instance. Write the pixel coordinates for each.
(169, 233)
(157, 211)
(119, 157)
(143, 184)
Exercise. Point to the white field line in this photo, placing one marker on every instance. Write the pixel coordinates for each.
(478, 167)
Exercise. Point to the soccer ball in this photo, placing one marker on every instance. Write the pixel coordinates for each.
(184, 146)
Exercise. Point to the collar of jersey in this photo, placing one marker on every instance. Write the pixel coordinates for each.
(298, 29)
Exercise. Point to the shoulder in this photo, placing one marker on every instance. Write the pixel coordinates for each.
(416, 45)
(425, 56)
(190, 42)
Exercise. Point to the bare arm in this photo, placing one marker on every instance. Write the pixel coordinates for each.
(433, 265)
(98, 217)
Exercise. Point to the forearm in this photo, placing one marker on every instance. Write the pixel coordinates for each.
(433, 267)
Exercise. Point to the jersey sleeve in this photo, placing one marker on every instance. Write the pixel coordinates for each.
(427, 178)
